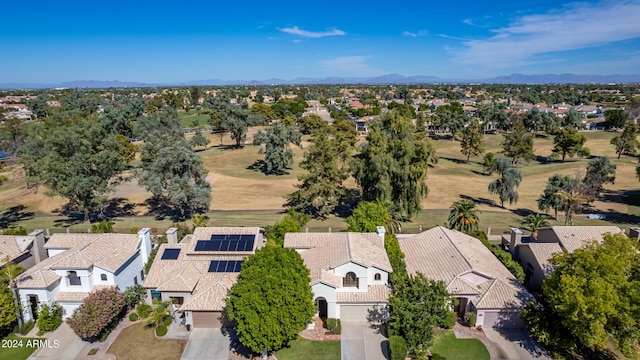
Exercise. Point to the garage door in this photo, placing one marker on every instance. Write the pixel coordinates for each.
(502, 319)
(368, 313)
(208, 319)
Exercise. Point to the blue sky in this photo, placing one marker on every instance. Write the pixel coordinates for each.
(175, 41)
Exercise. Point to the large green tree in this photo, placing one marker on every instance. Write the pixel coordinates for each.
(368, 215)
(591, 297)
(616, 118)
(8, 275)
(518, 144)
(463, 216)
(600, 171)
(569, 142)
(506, 185)
(169, 168)
(272, 301)
(75, 158)
(392, 166)
(277, 140)
(548, 200)
(321, 189)
(472, 142)
(417, 305)
(627, 143)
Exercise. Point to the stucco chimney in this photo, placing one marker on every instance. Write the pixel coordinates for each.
(38, 251)
(381, 231)
(172, 236)
(145, 248)
(516, 238)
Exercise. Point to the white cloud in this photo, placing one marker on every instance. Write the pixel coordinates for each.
(576, 26)
(412, 34)
(468, 22)
(351, 65)
(312, 34)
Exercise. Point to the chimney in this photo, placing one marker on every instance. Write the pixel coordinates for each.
(145, 247)
(172, 236)
(634, 233)
(38, 249)
(516, 238)
(381, 232)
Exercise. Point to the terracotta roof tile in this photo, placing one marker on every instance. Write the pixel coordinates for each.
(375, 293)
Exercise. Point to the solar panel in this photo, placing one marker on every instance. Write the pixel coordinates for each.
(170, 254)
(222, 266)
(200, 245)
(236, 267)
(233, 237)
(250, 243)
(218, 237)
(213, 266)
(230, 243)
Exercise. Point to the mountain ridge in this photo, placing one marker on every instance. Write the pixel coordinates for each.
(386, 79)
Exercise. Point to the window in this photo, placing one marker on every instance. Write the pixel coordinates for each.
(135, 280)
(350, 280)
(74, 279)
(377, 277)
(177, 300)
(103, 277)
(142, 274)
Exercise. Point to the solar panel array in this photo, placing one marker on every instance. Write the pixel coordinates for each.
(225, 266)
(170, 254)
(227, 243)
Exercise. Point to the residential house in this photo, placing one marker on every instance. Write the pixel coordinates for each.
(534, 254)
(79, 264)
(196, 273)
(349, 273)
(23, 250)
(471, 274)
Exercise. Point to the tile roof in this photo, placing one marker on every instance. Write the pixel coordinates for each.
(374, 294)
(68, 241)
(71, 296)
(465, 265)
(330, 250)
(575, 237)
(211, 292)
(107, 251)
(542, 252)
(13, 247)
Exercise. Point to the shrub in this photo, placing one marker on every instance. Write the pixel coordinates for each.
(167, 320)
(448, 321)
(133, 317)
(134, 294)
(25, 328)
(161, 330)
(470, 318)
(143, 310)
(102, 227)
(331, 323)
(20, 230)
(49, 317)
(336, 329)
(92, 351)
(397, 347)
(97, 312)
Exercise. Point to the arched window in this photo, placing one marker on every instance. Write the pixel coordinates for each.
(103, 277)
(377, 277)
(350, 280)
(74, 279)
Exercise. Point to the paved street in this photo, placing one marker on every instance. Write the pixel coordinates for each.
(359, 341)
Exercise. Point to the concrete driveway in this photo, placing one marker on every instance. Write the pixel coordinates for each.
(515, 344)
(207, 344)
(68, 345)
(362, 341)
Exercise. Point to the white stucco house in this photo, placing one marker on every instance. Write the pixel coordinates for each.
(349, 273)
(471, 274)
(80, 263)
(25, 251)
(196, 273)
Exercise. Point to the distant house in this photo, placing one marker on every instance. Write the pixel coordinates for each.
(534, 254)
(471, 274)
(23, 250)
(79, 264)
(349, 273)
(196, 273)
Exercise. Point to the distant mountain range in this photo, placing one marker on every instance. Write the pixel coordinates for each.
(377, 80)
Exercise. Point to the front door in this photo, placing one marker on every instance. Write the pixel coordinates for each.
(33, 304)
(321, 307)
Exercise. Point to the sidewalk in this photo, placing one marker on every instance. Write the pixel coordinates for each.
(101, 346)
(68, 345)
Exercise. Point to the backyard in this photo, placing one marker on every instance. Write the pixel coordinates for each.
(139, 342)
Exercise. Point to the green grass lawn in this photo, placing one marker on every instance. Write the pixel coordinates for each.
(16, 348)
(186, 119)
(447, 346)
(311, 350)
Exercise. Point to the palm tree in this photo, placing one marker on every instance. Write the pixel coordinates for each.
(572, 200)
(159, 312)
(8, 275)
(532, 222)
(464, 216)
